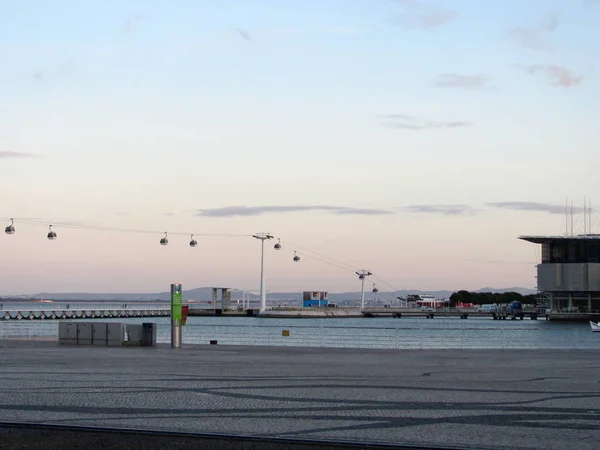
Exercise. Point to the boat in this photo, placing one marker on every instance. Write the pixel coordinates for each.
(595, 326)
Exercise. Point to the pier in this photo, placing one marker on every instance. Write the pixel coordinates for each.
(298, 312)
(461, 313)
(96, 311)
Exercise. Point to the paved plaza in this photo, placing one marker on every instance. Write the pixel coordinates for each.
(500, 399)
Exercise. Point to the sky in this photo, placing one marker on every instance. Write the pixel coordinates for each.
(415, 139)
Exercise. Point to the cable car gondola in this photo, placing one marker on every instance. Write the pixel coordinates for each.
(164, 241)
(11, 228)
(51, 234)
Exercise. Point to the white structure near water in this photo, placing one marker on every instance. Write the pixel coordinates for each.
(568, 276)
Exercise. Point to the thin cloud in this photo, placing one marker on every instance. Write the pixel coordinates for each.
(533, 206)
(9, 154)
(535, 38)
(363, 211)
(326, 29)
(243, 34)
(451, 80)
(229, 211)
(66, 68)
(447, 210)
(423, 15)
(131, 22)
(561, 76)
(406, 122)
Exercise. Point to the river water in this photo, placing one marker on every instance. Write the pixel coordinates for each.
(382, 333)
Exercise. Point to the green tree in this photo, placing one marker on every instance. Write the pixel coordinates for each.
(488, 298)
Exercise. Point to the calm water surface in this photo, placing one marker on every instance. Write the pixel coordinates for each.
(384, 333)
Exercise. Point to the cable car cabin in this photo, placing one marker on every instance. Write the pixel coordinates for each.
(312, 299)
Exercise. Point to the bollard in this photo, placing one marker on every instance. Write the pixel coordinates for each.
(175, 336)
(176, 315)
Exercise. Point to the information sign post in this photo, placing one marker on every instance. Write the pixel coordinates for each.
(176, 304)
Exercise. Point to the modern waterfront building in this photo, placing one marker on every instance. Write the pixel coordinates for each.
(568, 277)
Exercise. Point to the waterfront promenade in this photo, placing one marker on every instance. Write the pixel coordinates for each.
(483, 399)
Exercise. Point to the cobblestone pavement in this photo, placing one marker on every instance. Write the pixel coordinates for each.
(542, 399)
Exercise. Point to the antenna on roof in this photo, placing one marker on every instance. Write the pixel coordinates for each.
(571, 217)
(590, 217)
(566, 216)
(584, 216)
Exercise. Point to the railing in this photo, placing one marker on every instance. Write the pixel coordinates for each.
(64, 305)
(441, 337)
(50, 311)
(29, 330)
(574, 310)
(312, 308)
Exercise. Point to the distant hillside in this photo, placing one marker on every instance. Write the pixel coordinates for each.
(520, 290)
(204, 294)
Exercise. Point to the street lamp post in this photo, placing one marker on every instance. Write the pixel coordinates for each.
(263, 298)
(361, 276)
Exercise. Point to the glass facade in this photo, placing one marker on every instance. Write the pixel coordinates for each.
(570, 251)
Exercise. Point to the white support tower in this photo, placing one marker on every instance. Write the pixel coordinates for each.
(263, 298)
(361, 276)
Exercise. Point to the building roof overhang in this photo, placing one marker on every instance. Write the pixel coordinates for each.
(541, 239)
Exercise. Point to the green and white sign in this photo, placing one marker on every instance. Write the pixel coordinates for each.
(176, 303)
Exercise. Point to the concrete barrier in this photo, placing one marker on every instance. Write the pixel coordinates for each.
(112, 334)
(115, 334)
(67, 333)
(99, 333)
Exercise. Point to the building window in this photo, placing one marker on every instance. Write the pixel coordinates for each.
(546, 253)
(593, 252)
(572, 252)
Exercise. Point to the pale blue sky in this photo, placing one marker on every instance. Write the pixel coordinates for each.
(135, 109)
